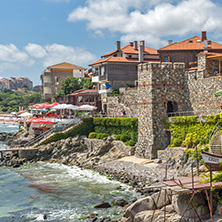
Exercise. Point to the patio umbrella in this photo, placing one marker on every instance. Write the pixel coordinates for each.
(218, 93)
(87, 108)
(39, 120)
(64, 106)
(26, 114)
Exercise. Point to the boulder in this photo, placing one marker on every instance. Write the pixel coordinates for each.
(143, 204)
(119, 202)
(102, 204)
(162, 198)
(180, 202)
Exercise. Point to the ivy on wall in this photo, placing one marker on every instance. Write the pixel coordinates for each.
(189, 131)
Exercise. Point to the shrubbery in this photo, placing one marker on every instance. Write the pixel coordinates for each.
(189, 131)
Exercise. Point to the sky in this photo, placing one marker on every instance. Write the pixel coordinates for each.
(35, 34)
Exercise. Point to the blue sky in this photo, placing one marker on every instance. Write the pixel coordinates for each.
(39, 33)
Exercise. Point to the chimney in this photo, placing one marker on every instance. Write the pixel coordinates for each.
(170, 42)
(117, 45)
(205, 45)
(135, 45)
(142, 42)
(131, 43)
(204, 36)
(141, 50)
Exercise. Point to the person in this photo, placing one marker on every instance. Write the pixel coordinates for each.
(123, 113)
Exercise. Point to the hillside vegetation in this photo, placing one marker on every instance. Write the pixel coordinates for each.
(10, 100)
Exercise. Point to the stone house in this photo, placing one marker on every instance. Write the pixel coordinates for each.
(53, 76)
(187, 50)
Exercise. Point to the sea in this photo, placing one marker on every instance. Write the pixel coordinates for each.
(55, 192)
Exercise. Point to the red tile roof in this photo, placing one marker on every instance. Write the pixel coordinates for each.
(122, 60)
(83, 91)
(193, 43)
(128, 49)
(65, 65)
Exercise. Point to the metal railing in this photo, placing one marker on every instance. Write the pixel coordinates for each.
(195, 113)
(56, 128)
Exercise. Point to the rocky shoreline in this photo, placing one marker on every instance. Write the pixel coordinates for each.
(106, 159)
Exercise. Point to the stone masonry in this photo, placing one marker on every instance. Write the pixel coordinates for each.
(163, 88)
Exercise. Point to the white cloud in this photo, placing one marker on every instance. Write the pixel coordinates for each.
(35, 50)
(59, 53)
(12, 58)
(150, 20)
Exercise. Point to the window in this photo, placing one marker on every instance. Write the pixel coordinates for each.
(56, 90)
(190, 41)
(56, 80)
(166, 59)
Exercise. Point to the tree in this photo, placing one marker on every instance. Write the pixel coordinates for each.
(86, 83)
(72, 84)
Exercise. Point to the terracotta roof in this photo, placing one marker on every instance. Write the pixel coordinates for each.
(83, 91)
(128, 49)
(65, 65)
(122, 60)
(193, 43)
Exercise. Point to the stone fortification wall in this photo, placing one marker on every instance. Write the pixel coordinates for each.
(200, 93)
(158, 84)
(127, 101)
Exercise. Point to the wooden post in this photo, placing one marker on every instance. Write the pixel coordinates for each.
(211, 197)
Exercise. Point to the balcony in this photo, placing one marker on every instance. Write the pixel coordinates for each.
(104, 91)
(95, 79)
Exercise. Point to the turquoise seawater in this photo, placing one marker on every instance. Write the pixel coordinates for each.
(62, 193)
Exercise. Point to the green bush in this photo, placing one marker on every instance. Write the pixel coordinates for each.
(92, 135)
(124, 138)
(189, 131)
(118, 137)
(132, 143)
(99, 136)
(115, 126)
(105, 135)
(83, 128)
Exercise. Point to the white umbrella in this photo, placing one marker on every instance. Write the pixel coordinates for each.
(65, 106)
(87, 107)
(26, 114)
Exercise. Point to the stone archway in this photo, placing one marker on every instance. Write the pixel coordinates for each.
(172, 107)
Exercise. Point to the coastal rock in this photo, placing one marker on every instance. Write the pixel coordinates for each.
(119, 202)
(162, 198)
(102, 204)
(143, 204)
(179, 203)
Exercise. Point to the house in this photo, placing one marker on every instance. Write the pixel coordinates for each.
(118, 68)
(53, 76)
(2, 85)
(22, 81)
(187, 50)
(82, 97)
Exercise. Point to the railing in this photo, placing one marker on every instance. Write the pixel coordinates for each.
(195, 113)
(56, 128)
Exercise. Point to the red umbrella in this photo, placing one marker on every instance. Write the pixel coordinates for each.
(39, 120)
(52, 105)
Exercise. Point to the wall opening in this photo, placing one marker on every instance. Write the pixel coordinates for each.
(105, 108)
(172, 107)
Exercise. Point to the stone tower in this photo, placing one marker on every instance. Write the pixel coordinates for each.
(160, 91)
